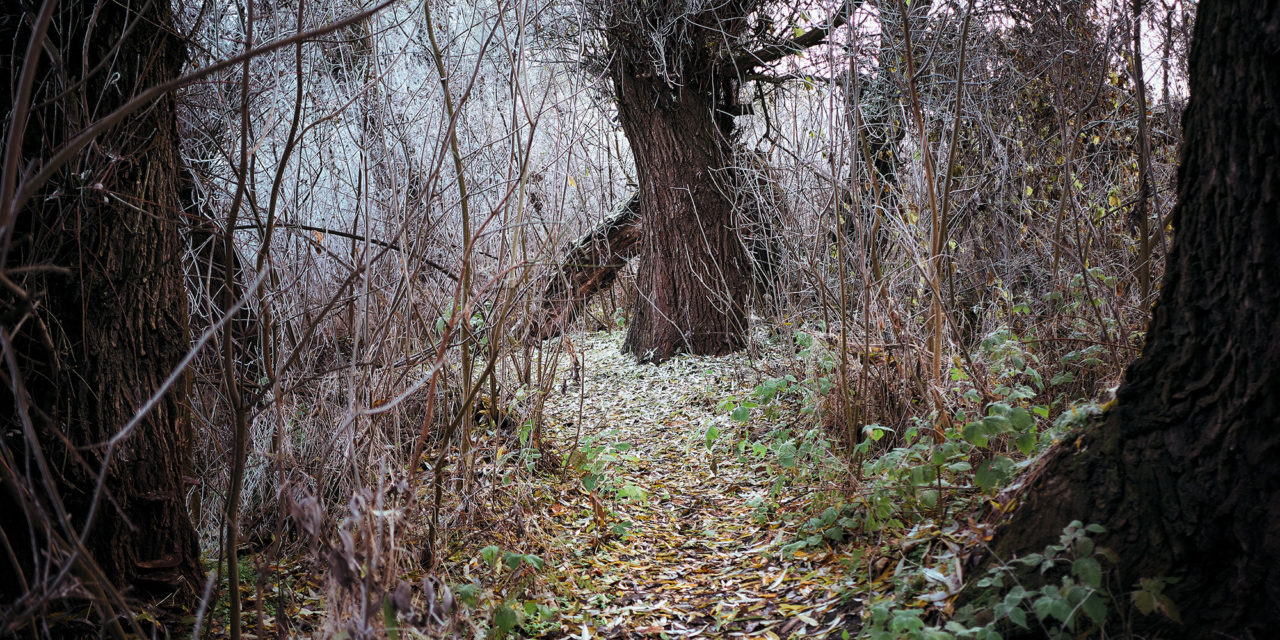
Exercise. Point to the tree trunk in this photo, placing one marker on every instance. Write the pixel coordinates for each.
(1183, 471)
(98, 318)
(693, 280)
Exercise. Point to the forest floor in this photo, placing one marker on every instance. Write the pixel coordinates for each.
(678, 527)
(699, 498)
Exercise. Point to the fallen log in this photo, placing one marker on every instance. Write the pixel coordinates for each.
(590, 265)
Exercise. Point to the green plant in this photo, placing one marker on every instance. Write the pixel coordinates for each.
(1075, 605)
(531, 617)
(595, 460)
(511, 561)
(1150, 598)
(828, 527)
(762, 397)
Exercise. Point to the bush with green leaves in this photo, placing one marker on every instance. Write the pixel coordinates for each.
(509, 614)
(596, 460)
(1071, 601)
(1076, 604)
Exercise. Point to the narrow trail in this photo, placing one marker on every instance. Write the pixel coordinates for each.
(701, 556)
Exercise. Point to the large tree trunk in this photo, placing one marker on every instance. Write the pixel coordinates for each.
(592, 263)
(693, 280)
(1183, 470)
(98, 318)
(676, 68)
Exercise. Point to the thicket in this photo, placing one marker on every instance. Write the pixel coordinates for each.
(968, 211)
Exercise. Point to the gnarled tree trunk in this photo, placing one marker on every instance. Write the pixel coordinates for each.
(1183, 470)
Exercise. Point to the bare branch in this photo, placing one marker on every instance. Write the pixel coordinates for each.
(773, 52)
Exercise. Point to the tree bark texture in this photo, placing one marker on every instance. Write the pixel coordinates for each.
(589, 265)
(98, 317)
(693, 277)
(592, 263)
(1182, 471)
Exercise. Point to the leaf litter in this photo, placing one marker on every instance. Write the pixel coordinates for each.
(667, 537)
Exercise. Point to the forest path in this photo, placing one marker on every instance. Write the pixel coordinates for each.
(700, 556)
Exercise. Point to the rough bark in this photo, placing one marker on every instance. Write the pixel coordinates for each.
(676, 68)
(589, 265)
(1182, 470)
(592, 263)
(98, 252)
(693, 277)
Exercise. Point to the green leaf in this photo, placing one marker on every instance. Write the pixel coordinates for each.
(1031, 559)
(975, 433)
(1021, 418)
(712, 434)
(741, 414)
(512, 560)
(1084, 547)
(490, 554)
(1088, 571)
(992, 473)
(1042, 606)
(466, 594)
(929, 498)
(1168, 608)
(1061, 609)
(632, 492)
(997, 424)
(1095, 608)
(1145, 601)
(389, 618)
(504, 618)
(828, 516)
(787, 456)
(1027, 443)
(534, 561)
(1018, 617)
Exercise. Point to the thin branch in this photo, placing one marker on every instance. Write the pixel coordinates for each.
(351, 236)
(777, 51)
(87, 135)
